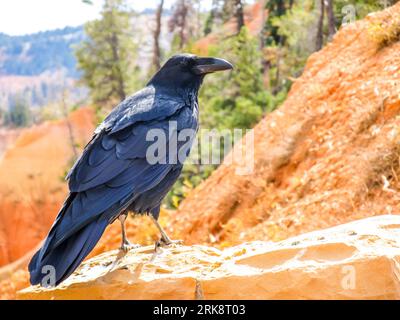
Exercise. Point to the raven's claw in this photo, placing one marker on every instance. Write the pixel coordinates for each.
(126, 246)
(162, 243)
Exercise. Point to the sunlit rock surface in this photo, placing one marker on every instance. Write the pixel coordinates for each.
(358, 260)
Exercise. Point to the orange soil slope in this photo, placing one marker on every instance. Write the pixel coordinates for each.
(328, 155)
(31, 182)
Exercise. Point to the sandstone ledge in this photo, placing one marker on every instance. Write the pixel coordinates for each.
(358, 260)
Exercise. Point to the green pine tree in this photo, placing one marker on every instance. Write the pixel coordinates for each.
(235, 100)
(105, 57)
(19, 114)
(241, 103)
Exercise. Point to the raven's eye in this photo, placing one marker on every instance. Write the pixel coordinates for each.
(187, 62)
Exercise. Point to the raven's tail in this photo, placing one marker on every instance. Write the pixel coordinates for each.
(51, 265)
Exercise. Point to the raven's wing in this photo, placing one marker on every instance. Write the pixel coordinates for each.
(114, 166)
(146, 105)
(125, 128)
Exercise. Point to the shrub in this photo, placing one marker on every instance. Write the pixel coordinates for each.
(385, 33)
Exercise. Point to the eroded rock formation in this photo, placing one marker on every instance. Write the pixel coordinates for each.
(358, 260)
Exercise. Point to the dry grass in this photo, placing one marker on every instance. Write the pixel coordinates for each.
(385, 33)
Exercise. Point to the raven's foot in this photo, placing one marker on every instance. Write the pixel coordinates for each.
(126, 246)
(167, 242)
(164, 241)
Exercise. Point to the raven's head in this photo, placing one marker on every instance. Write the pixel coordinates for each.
(186, 71)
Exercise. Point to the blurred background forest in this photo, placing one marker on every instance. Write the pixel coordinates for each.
(318, 81)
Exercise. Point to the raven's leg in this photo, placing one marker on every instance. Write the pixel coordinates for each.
(125, 244)
(165, 240)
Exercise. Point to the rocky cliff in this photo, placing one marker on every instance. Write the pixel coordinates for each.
(358, 260)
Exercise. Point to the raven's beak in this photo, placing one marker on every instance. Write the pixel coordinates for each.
(209, 65)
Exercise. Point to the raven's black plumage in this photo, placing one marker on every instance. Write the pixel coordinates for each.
(113, 175)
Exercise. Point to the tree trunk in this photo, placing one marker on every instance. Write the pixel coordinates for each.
(183, 25)
(69, 126)
(262, 31)
(239, 15)
(331, 18)
(115, 47)
(211, 18)
(119, 78)
(265, 64)
(277, 86)
(281, 9)
(156, 37)
(320, 27)
(198, 19)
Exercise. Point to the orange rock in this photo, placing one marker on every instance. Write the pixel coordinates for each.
(358, 260)
(14, 277)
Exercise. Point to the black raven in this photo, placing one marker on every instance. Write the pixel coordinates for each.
(114, 175)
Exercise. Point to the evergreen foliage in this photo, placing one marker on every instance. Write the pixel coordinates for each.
(106, 56)
(18, 114)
